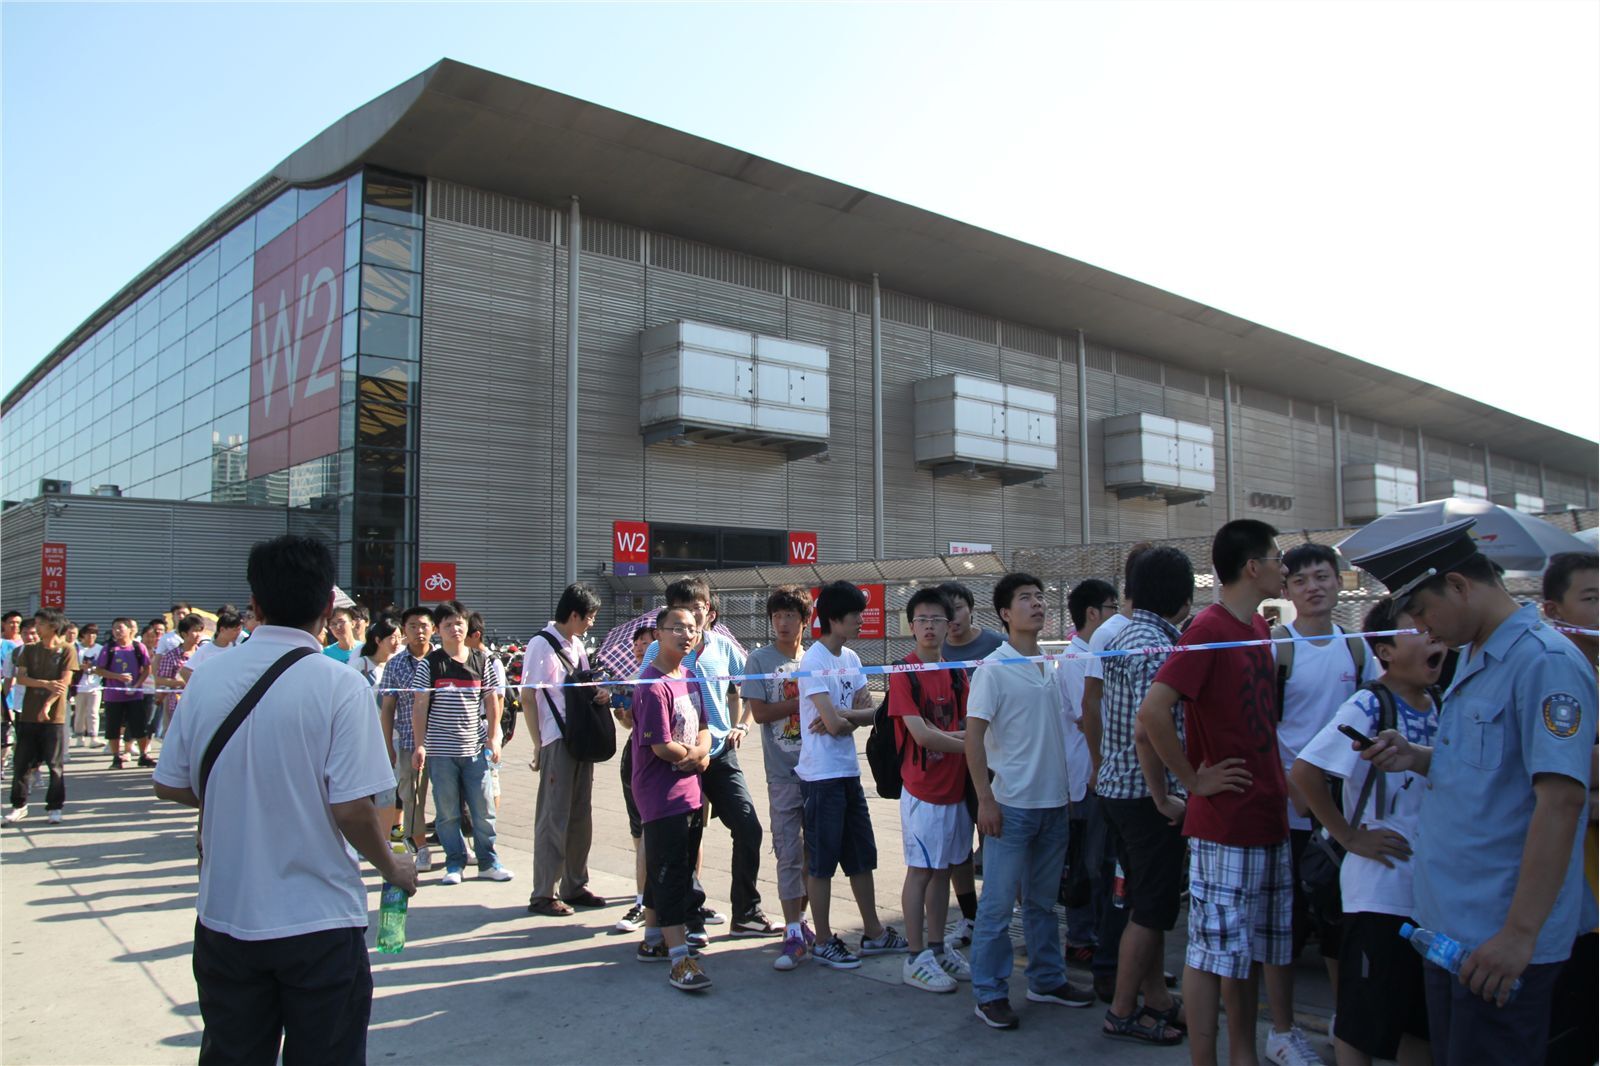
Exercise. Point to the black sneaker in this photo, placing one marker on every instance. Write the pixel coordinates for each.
(1067, 995)
(712, 916)
(146, 761)
(996, 1014)
(117, 763)
(696, 938)
(755, 924)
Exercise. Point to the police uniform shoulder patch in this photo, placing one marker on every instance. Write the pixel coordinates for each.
(1562, 714)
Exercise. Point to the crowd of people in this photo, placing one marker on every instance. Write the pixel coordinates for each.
(1278, 786)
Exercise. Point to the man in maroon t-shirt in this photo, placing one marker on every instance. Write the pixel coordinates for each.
(934, 823)
(1240, 886)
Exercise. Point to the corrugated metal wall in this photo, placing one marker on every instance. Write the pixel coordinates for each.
(134, 557)
(494, 328)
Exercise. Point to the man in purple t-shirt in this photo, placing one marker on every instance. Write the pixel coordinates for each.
(125, 664)
(671, 748)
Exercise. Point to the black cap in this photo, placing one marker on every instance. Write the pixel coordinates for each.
(1410, 561)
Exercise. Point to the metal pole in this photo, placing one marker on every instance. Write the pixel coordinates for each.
(574, 247)
(1338, 471)
(1227, 437)
(1422, 466)
(1084, 524)
(1544, 490)
(878, 550)
(1488, 473)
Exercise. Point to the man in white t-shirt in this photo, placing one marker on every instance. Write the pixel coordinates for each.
(1014, 730)
(280, 952)
(1381, 1004)
(838, 829)
(1314, 678)
(229, 626)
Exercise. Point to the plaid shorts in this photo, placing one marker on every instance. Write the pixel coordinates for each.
(1241, 907)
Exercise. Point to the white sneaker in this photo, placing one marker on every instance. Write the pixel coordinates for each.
(451, 877)
(955, 964)
(1291, 1049)
(424, 859)
(96, 742)
(54, 816)
(15, 815)
(924, 972)
(496, 873)
(961, 935)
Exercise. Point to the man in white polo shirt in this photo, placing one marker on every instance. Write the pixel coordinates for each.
(1014, 730)
(280, 952)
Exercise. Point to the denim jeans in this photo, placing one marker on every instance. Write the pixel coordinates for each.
(1028, 855)
(1088, 839)
(463, 778)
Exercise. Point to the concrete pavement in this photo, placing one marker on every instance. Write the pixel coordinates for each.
(97, 917)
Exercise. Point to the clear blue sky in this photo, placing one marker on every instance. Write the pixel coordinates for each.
(1411, 183)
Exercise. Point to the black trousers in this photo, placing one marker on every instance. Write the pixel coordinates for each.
(1464, 1030)
(724, 788)
(312, 993)
(39, 744)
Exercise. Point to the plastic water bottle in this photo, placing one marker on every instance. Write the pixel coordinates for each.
(392, 916)
(1119, 888)
(1442, 951)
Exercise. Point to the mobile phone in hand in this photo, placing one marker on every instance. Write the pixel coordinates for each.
(1357, 736)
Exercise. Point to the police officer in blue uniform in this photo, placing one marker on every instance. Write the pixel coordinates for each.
(1499, 855)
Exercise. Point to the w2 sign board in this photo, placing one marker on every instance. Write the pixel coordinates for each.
(53, 576)
(630, 548)
(296, 342)
(802, 549)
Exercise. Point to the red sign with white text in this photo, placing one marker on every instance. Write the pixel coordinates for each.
(802, 548)
(871, 618)
(296, 342)
(53, 576)
(438, 581)
(630, 548)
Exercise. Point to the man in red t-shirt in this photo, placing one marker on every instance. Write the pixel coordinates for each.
(1240, 886)
(934, 823)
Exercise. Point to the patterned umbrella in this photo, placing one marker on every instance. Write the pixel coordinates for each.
(1515, 540)
(616, 651)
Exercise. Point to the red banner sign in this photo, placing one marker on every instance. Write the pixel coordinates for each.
(802, 549)
(437, 581)
(630, 548)
(871, 618)
(53, 576)
(296, 343)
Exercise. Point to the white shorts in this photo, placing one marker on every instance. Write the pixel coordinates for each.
(935, 835)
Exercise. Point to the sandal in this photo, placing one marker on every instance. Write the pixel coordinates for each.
(550, 908)
(1172, 1017)
(1134, 1027)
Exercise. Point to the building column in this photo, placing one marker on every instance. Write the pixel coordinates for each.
(1227, 440)
(574, 251)
(1084, 525)
(878, 550)
(1338, 470)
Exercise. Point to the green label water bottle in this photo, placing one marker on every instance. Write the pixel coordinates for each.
(392, 916)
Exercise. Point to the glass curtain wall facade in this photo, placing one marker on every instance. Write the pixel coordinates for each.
(278, 366)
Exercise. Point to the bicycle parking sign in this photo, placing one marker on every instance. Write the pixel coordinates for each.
(438, 581)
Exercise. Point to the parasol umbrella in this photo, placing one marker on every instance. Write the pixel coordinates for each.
(616, 651)
(1510, 538)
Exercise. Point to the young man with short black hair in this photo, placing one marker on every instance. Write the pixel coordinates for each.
(774, 705)
(672, 747)
(452, 689)
(723, 781)
(1014, 730)
(563, 825)
(394, 713)
(1143, 803)
(834, 702)
(929, 708)
(1499, 863)
(280, 953)
(1240, 886)
(169, 685)
(229, 626)
(86, 703)
(1571, 589)
(1381, 1006)
(341, 626)
(632, 919)
(43, 672)
(124, 664)
(1314, 679)
(965, 642)
(1090, 603)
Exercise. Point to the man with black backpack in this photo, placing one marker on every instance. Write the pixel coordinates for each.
(930, 707)
(563, 825)
(457, 742)
(1381, 1006)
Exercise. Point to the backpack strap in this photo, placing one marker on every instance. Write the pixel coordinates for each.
(1284, 653)
(1358, 655)
(561, 723)
(1387, 716)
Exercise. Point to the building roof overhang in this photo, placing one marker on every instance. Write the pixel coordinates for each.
(464, 124)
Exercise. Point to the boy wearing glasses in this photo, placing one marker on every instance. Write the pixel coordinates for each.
(1237, 821)
(931, 709)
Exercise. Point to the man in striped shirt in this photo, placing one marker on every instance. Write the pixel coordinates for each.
(1146, 827)
(455, 716)
(411, 785)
